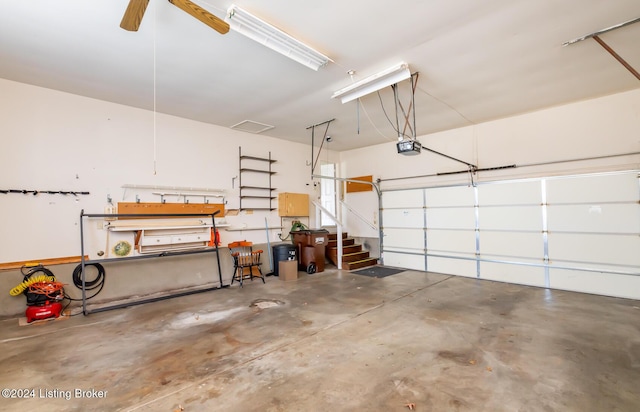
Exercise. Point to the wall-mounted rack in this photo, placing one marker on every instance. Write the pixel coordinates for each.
(37, 192)
(84, 261)
(178, 191)
(256, 191)
(242, 229)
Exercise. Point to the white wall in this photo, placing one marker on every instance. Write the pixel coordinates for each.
(592, 128)
(58, 141)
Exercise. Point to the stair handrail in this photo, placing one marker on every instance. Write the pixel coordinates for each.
(358, 215)
(319, 208)
(379, 196)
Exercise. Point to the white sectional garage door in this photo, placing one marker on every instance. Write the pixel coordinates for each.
(579, 233)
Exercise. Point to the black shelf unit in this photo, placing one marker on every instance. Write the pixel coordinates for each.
(253, 191)
(84, 262)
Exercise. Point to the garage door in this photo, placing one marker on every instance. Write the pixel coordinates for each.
(579, 233)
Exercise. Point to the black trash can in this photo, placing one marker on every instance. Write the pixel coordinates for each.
(283, 252)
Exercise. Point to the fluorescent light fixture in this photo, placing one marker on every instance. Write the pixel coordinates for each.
(374, 83)
(258, 30)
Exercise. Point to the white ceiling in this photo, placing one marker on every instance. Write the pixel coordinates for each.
(477, 60)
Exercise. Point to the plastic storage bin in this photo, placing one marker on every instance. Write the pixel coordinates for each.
(311, 246)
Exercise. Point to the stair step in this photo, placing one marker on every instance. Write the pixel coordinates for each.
(345, 249)
(334, 236)
(360, 263)
(349, 257)
(345, 242)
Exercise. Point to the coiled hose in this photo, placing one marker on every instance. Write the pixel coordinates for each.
(96, 283)
(35, 279)
(29, 279)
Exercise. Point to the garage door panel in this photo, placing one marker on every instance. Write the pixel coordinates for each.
(616, 218)
(511, 244)
(403, 260)
(454, 218)
(511, 218)
(404, 238)
(450, 266)
(520, 274)
(510, 193)
(450, 196)
(593, 189)
(609, 284)
(611, 249)
(403, 198)
(457, 241)
(403, 217)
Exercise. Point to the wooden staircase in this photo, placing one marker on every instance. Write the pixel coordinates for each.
(353, 257)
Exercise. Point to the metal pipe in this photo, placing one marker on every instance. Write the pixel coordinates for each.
(594, 34)
(395, 98)
(450, 157)
(512, 166)
(414, 85)
(149, 300)
(578, 159)
(617, 57)
(215, 243)
(313, 129)
(82, 263)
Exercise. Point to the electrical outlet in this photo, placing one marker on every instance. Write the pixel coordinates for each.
(100, 225)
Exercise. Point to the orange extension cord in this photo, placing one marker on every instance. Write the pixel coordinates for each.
(49, 289)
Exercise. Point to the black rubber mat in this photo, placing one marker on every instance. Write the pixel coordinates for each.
(378, 271)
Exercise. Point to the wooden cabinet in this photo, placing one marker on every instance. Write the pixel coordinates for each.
(293, 204)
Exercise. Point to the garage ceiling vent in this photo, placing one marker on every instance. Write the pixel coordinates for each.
(250, 126)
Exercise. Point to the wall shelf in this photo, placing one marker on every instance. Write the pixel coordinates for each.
(253, 170)
(258, 197)
(258, 187)
(242, 229)
(257, 171)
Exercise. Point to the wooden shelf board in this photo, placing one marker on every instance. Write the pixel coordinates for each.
(44, 262)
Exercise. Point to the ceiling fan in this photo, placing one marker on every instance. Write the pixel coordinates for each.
(136, 8)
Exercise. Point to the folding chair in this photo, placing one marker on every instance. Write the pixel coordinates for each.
(246, 261)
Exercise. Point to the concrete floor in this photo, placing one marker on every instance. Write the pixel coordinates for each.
(337, 341)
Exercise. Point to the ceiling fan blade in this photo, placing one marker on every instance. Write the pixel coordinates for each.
(201, 14)
(133, 15)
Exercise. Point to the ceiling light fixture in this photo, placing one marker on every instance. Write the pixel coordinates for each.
(373, 83)
(264, 33)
